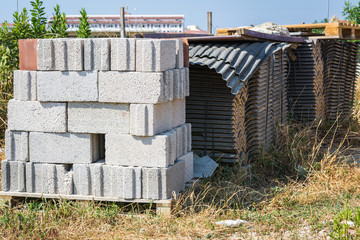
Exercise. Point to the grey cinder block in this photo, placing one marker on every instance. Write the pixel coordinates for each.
(30, 177)
(169, 84)
(45, 55)
(179, 53)
(150, 119)
(5, 175)
(173, 145)
(97, 184)
(36, 116)
(113, 181)
(17, 146)
(177, 83)
(155, 55)
(98, 118)
(68, 148)
(50, 178)
(25, 85)
(125, 149)
(131, 87)
(180, 143)
(67, 86)
(160, 183)
(189, 165)
(132, 182)
(64, 180)
(179, 115)
(68, 54)
(97, 54)
(122, 54)
(188, 138)
(187, 82)
(82, 179)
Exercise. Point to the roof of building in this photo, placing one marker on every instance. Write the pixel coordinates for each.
(236, 61)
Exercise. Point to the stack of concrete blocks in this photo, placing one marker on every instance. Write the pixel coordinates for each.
(100, 117)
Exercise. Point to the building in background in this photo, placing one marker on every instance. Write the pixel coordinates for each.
(109, 25)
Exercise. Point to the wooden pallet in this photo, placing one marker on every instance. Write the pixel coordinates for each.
(162, 206)
(331, 30)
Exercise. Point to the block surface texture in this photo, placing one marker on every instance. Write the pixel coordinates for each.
(131, 87)
(155, 55)
(127, 150)
(62, 148)
(36, 116)
(189, 165)
(123, 54)
(17, 146)
(25, 85)
(98, 118)
(67, 86)
(97, 54)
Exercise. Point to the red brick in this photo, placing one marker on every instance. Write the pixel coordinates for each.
(186, 52)
(28, 54)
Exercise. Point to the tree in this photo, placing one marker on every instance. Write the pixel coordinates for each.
(38, 19)
(352, 12)
(84, 26)
(59, 25)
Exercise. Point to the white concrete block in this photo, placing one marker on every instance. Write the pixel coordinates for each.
(60, 47)
(82, 179)
(150, 119)
(128, 150)
(97, 177)
(114, 181)
(177, 84)
(180, 143)
(65, 179)
(132, 182)
(189, 165)
(173, 145)
(179, 115)
(160, 183)
(13, 176)
(36, 116)
(123, 54)
(169, 84)
(97, 54)
(17, 146)
(155, 55)
(98, 118)
(25, 85)
(68, 148)
(187, 82)
(188, 138)
(182, 88)
(5, 175)
(50, 178)
(179, 53)
(30, 177)
(45, 55)
(67, 86)
(132, 87)
(74, 56)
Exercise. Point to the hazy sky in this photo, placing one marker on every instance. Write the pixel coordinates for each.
(226, 13)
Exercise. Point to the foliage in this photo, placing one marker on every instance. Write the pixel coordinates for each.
(352, 12)
(58, 25)
(344, 222)
(84, 26)
(38, 19)
(320, 31)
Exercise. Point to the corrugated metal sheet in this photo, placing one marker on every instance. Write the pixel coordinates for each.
(236, 62)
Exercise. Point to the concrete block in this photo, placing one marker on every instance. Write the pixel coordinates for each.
(187, 82)
(132, 87)
(65, 179)
(189, 165)
(150, 119)
(114, 181)
(97, 184)
(186, 52)
(30, 177)
(68, 54)
(97, 54)
(65, 148)
(149, 151)
(82, 179)
(17, 146)
(169, 84)
(50, 178)
(45, 55)
(173, 140)
(98, 118)
(179, 53)
(155, 55)
(132, 182)
(25, 85)
(13, 176)
(188, 138)
(180, 136)
(36, 116)
(28, 54)
(67, 86)
(160, 183)
(5, 176)
(123, 54)
(177, 84)
(179, 115)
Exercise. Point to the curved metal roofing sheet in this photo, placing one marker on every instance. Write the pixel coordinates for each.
(236, 62)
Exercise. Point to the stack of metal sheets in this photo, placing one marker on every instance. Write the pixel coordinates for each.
(340, 59)
(266, 106)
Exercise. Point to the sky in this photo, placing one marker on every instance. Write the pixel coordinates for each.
(226, 13)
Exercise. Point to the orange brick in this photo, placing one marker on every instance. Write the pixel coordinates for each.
(28, 54)
(186, 52)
